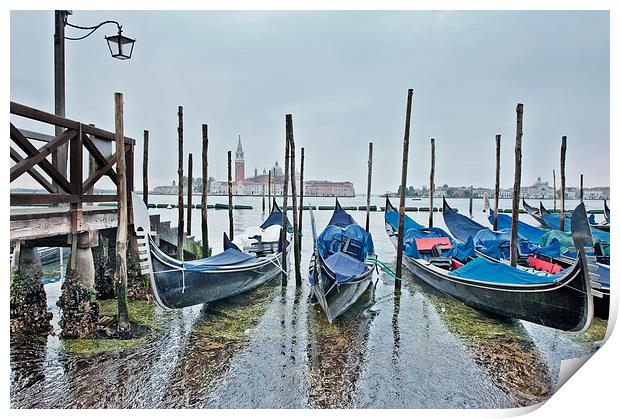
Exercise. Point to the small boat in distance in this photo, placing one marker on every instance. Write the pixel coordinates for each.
(339, 269)
(534, 212)
(562, 301)
(178, 284)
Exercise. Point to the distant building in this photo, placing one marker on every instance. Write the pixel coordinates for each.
(259, 183)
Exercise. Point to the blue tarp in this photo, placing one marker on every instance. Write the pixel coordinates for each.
(276, 218)
(334, 237)
(531, 233)
(484, 270)
(460, 226)
(345, 267)
(603, 271)
(553, 222)
(340, 217)
(392, 218)
(228, 257)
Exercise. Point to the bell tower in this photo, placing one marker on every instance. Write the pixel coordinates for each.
(239, 162)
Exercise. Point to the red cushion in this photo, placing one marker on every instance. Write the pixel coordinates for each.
(543, 265)
(428, 244)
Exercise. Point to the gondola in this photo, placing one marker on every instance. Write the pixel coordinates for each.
(552, 222)
(599, 272)
(178, 284)
(606, 211)
(561, 301)
(341, 266)
(533, 212)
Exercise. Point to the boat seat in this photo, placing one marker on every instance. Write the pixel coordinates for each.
(261, 248)
(441, 262)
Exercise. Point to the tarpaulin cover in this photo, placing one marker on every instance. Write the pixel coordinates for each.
(392, 218)
(228, 257)
(553, 222)
(531, 233)
(276, 218)
(564, 239)
(341, 218)
(460, 226)
(353, 232)
(603, 271)
(497, 245)
(484, 270)
(345, 267)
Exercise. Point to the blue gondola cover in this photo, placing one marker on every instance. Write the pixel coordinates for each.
(228, 257)
(484, 270)
(345, 267)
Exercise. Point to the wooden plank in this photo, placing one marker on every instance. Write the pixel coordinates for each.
(93, 178)
(36, 136)
(100, 159)
(47, 167)
(34, 173)
(23, 166)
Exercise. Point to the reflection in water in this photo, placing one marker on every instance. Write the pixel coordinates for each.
(502, 347)
(336, 352)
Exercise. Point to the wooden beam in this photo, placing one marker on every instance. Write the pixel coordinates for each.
(42, 153)
(562, 181)
(403, 186)
(555, 208)
(145, 169)
(498, 140)
(47, 167)
(205, 190)
(54, 198)
(122, 229)
(431, 185)
(516, 194)
(301, 196)
(190, 181)
(296, 237)
(94, 177)
(34, 173)
(368, 187)
(283, 232)
(100, 159)
(181, 229)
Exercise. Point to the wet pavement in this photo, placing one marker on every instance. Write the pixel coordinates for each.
(271, 348)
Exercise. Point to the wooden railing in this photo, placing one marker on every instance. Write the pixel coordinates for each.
(74, 189)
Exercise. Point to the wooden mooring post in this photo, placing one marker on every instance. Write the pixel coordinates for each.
(190, 183)
(301, 197)
(555, 208)
(269, 190)
(368, 186)
(145, 169)
(562, 180)
(181, 230)
(431, 186)
(471, 201)
(231, 226)
(284, 206)
(296, 239)
(498, 141)
(581, 189)
(122, 228)
(205, 190)
(263, 198)
(514, 230)
(403, 183)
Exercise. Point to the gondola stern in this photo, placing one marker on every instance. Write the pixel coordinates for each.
(582, 237)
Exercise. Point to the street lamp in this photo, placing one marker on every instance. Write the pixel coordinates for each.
(120, 46)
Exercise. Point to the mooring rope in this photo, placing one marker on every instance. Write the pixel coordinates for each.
(384, 267)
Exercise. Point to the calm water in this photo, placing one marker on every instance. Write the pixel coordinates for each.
(271, 348)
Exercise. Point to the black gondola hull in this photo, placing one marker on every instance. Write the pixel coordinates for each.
(177, 289)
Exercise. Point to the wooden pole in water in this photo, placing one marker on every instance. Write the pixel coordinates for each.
(145, 169)
(431, 188)
(283, 233)
(263, 198)
(181, 230)
(471, 201)
(555, 208)
(498, 140)
(190, 184)
(231, 227)
(581, 189)
(122, 228)
(514, 231)
(562, 180)
(296, 253)
(301, 196)
(403, 182)
(205, 190)
(369, 186)
(269, 190)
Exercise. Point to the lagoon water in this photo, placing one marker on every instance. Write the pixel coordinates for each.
(271, 349)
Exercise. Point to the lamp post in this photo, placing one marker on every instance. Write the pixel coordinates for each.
(120, 47)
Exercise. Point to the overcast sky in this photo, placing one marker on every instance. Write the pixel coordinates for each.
(343, 76)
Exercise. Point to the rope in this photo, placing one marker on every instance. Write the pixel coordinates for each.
(385, 268)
